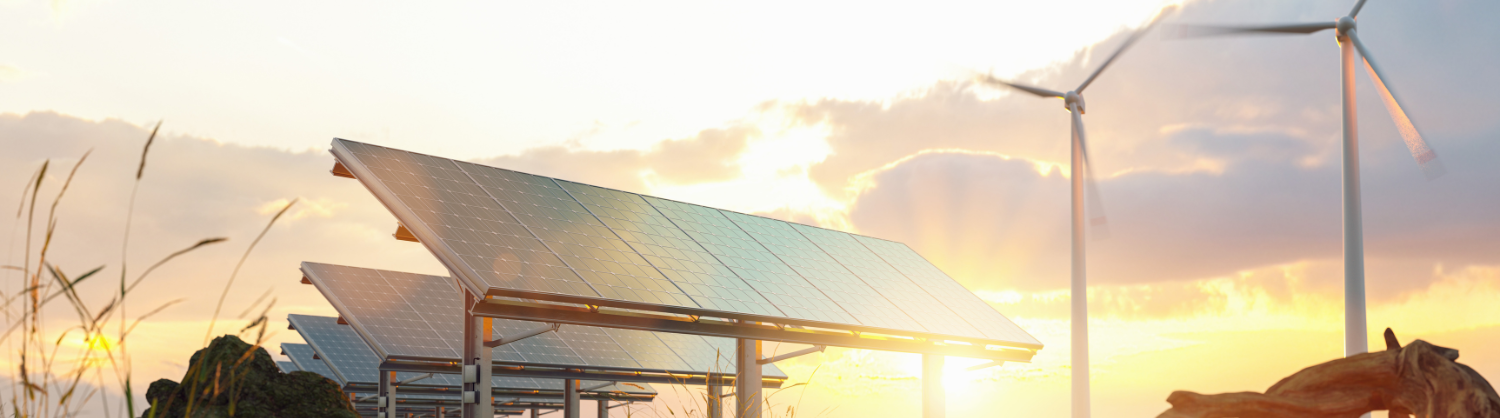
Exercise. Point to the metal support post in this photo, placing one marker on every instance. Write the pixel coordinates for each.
(934, 402)
(715, 402)
(571, 407)
(603, 408)
(747, 379)
(478, 400)
(385, 405)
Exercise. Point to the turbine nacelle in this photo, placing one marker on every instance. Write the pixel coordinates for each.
(1071, 98)
(1344, 25)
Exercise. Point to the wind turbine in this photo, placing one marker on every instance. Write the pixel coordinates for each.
(1082, 178)
(1355, 337)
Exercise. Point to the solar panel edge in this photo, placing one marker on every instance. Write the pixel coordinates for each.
(308, 269)
(444, 254)
(1034, 341)
(342, 379)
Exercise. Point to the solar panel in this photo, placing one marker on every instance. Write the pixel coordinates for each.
(933, 315)
(434, 302)
(953, 295)
(694, 270)
(773, 279)
(610, 266)
(301, 356)
(501, 229)
(345, 353)
(826, 274)
(286, 366)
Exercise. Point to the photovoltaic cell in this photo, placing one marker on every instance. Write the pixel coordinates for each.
(647, 350)
(949, 292)
(301, 356)
(508, 230)
(707, 281)
(436, 301)
(823, 272)
(934, 316)
(345, 353)
(593, 251)
(490, 243)
(773, 279)
(382, 312)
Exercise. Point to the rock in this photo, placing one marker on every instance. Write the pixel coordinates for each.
(1420, 378)
(236, 379)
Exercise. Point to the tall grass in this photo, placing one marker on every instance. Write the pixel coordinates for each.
(48, 377)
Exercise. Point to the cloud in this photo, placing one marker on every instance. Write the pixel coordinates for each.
(10, 73)
(710, 156)
(1288, 87)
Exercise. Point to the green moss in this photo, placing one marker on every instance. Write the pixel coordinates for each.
(231, 378)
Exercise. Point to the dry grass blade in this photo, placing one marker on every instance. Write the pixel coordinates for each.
(26, 187)
(202, 243)
(220, 305)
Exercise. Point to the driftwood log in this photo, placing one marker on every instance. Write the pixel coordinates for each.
(1421, 379)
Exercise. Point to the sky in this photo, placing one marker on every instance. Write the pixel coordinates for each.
(1218, 162)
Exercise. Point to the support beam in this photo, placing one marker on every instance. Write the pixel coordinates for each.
(794, 354)
(507, 339)
(870, 339)
(477, 396)
(414, 379)
(603, 406)
(536, 412)
(934, 403)
(715, 402)
(386, 399)
(571, 407)
(747, 383)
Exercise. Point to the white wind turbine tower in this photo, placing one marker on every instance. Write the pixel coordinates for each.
(1355, 337)
(1082, 178)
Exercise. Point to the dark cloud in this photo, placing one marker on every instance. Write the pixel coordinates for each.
(710, 156)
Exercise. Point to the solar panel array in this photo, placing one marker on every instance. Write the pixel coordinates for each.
(407, 315)
(503, 229)
(347, 356)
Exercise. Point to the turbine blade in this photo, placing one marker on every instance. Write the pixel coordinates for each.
(1128, 42)
(1357, 6)
(1098, 223)
(1431, 166)
(1200, 31)
(1041, 92)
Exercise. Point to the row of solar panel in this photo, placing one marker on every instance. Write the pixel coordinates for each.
(337, 352)
(509, 230)
(407, 315)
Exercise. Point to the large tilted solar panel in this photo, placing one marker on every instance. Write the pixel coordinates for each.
(505, 230)
(414, 316)
(303, 358)
(349, 358)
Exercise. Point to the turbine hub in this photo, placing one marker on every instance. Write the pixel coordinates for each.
(1345, 24)
(1072, 98)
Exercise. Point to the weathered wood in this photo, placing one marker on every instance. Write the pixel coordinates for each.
(1421, 379)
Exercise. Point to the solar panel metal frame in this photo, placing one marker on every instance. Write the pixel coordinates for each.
(773, 376)
(447, 256)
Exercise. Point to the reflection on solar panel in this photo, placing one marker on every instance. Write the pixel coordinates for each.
(301, 356)
(928, 277)
(522, 234)
(435, 303)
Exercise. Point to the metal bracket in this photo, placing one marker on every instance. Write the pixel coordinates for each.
(404, 234)
(545, 328)
(798, 353)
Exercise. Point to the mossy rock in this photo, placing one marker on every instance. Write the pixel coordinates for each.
(236, 379)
